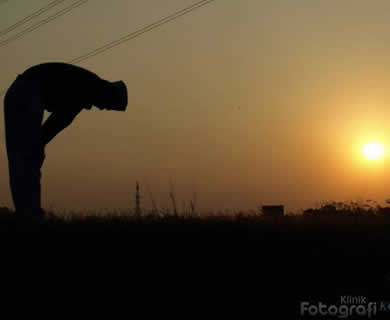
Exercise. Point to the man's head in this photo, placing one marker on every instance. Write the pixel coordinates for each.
(112, 96)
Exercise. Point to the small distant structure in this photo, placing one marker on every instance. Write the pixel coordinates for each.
(273, 211)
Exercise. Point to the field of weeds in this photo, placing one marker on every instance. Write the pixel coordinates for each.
(320, 255)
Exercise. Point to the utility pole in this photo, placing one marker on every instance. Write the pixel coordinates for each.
(137, 209)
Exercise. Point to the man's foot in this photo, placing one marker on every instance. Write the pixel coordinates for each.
(37, 216)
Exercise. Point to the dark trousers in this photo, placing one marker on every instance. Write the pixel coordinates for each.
(23, 115)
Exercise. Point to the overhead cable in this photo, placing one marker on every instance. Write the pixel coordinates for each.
(141, 31)
(136, 33)
(43, 22)
(29, 17)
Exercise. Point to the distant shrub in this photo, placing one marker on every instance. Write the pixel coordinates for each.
(352, 208)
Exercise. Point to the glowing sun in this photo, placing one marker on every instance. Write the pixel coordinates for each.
(373, 150)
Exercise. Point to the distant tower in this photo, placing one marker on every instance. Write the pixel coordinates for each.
(137, 209)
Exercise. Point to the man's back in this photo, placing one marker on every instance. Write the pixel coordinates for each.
(64, 86)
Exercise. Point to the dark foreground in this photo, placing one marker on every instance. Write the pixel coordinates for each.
(252, 264)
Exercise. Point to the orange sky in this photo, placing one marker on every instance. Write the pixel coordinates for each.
(244, 102)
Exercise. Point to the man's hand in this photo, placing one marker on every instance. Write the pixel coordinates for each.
(56, 122)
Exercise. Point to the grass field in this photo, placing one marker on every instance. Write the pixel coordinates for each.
(318, 256)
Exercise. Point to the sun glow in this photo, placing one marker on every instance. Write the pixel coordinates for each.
(373, 150)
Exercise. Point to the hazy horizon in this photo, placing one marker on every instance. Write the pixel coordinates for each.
(243, 102)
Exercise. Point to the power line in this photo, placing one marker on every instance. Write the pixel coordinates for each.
(29, 17)
(141, 31)
(43, 22)
(137, 33)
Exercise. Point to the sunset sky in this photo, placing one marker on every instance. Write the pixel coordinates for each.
(246, 102)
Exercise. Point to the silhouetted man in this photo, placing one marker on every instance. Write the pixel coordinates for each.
(62, 89)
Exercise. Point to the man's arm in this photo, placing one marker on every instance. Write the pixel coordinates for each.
(55, 123)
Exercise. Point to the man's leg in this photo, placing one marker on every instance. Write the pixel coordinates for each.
(23, 114)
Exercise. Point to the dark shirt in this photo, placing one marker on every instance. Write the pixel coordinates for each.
(64, 86)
